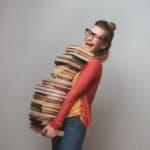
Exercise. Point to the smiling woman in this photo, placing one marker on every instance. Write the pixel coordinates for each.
(74, 115)
(99, 37)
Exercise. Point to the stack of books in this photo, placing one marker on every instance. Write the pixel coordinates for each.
(50, 93)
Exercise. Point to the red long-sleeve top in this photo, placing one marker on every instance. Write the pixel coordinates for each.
(84, 88)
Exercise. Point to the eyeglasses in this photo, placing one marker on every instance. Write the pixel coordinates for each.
(88, 33)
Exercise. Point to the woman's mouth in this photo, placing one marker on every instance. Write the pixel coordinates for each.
(88, 45)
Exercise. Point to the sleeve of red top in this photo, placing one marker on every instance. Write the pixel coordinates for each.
(86, 76)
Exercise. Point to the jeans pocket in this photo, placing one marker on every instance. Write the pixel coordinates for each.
(74, 122)
(78, 123)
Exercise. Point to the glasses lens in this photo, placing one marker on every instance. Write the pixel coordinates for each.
(88, 32)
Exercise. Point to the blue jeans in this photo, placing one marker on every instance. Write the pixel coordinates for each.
(74, 133)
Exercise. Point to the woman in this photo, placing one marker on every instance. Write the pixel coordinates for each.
(75, 114)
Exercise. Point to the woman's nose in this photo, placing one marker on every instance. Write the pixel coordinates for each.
(90, 37)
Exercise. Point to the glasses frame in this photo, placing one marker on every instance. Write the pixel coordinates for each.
(96, 37)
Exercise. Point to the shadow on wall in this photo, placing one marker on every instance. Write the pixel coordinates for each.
(107, 110)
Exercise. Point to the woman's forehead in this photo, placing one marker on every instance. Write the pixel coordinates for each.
(98, 30)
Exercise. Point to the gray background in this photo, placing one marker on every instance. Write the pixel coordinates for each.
(34, 32)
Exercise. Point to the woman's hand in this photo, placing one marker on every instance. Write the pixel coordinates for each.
(49, 131)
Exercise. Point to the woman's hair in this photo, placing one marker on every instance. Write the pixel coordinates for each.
(109, 28)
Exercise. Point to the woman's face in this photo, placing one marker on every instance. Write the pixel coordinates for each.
(93, 39)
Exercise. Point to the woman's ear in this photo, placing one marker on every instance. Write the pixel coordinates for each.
(104, 45)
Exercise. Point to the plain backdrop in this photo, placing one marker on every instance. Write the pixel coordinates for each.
(34, 32)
